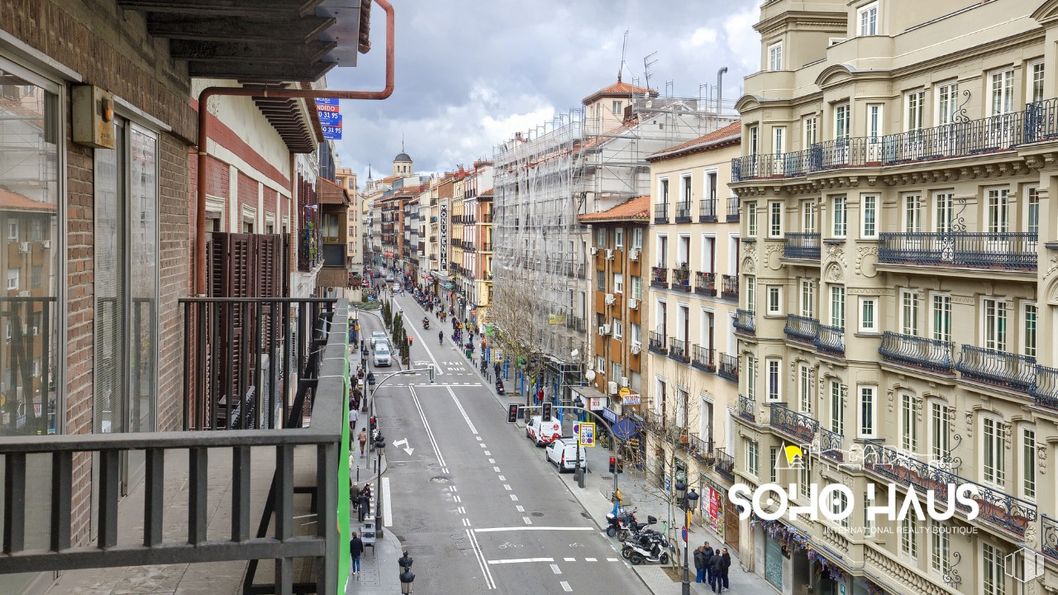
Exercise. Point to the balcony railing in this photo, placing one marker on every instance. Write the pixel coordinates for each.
(661, 212)
(732, 209)
(798, 425)
(725, 464)
(1049, 537)
(657, 342)
(705, 283)
(659, 277)
(729, 287)
(770, 165)
(683, 211)
(831, 445)
(747, 408)
(919, 352)
(681, 279)
(958, 139)
(801, 246)
(1008, 370)
(707, 211)
(994, 506)
(1045, 389)
(698, 448)
(745, 321)
(801, 328)
(702, 358)
(678, 350)
(486, 246)
(976, 250)
(728, 367)
(830, 339)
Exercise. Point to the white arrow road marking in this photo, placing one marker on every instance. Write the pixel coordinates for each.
(403, 441)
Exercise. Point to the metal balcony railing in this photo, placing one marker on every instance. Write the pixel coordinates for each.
(681, 279)
(745, 321)
(705, 283)
(830, 339)
(678, 350)
(958, 139)
(698, 448)
(1049, 536)
(661, 212)
(728, 367)
(729, 287)
(770, 165)
(994, 506)
(801, 246)
(798, 425)
(725, 464)
(657, 342)
(747, 408)
(683, 211)
(486, 246)
(977, 250)
(29, 398)
(801, 328)
(659, 277)
(732, 209)
(702, 358)
(830, 445)
(1045, 388)
(908, 350)
(707, 211)
(1008, 370)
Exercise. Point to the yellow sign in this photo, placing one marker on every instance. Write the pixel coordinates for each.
(624, 392)
(586, 434)
(556, 319)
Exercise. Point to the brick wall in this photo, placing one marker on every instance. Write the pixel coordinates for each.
(247, 197)
(175, 268)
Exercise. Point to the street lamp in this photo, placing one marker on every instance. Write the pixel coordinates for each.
(687, 500)
(380, 446)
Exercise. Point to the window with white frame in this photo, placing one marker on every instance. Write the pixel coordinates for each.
(997, 201)
(754, 140)
(637, 238)
(663, 192)
(939, 548)
(618, 329)
(914, 107)
(943, 213)
(909, 312)
(615, 107)
(837, 407)
(1035, 82)
(841, 121)
(993, 466)
(837, 306)
(12, 230)
(940, 313)
(1032, 210)
(751, 376)
(868, 520)
(804, 476)
(773, 459)
(869, 216)
(939, 430)
(868, 314)
(1028, 463)
(751, 219)
(994, 329)
(993, 570)
(774, 300)
(808, 298)
(12, 279)
(839, 503)
(808, 216)
(619, 237)
(775, 219)
(633, 332)
(804, 388)
(912, 212)
(751, 293)
(875, 124)
(1028, 329)
(1001, 91)
(778, 139)
(867, 19)
(908, 423)
(600, 364)
(810, 131)
(775, 56)
(752, 457)
(838, 217)
(618, 283)
(947, 103)
(636, 283)
(909, 535)
(867, 411)
(773, 369)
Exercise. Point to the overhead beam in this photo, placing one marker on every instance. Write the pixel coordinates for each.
(237, 28)
(233, 8)
(261, 51)
(252, 70)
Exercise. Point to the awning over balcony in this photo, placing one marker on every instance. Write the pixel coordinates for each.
(329, 193)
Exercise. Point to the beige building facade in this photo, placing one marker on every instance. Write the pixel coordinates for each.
(898, 290)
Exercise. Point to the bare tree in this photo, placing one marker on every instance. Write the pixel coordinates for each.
(520, 325)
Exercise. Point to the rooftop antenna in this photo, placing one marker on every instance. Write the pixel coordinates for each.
(621, 68)
(647, 63)
(670, 88)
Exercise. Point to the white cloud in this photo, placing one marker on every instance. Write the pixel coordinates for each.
(702, 36)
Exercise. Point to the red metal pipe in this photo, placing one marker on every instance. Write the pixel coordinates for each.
(203, 132)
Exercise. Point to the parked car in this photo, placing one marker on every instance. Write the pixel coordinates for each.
(563, 454)
(382, 357)
(377, 336)
(543, 433)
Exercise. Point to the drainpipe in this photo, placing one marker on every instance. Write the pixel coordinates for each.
(720, 91)
(203, 131)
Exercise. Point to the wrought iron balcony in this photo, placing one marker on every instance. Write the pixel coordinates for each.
(994, 506)
(801, 328)
(729, 287)
(1008, 370)
(745, 321)
(732, 209)
(801, 246)
(702, 358)
(747, 408)
(1007, 251)
(698, 448)
(681, 279)
(728, 367)
(1041, 120)
(919, 352)
(705, 283)
(661, 212)
(830, 445)
(725, 464)
(678, 350)
(707, 211)
(1049, 536)
(683, 211)
(659, 277)
(770, 165)
(657, 343)
(1045, 389)
(830, 339)
(958, 139)
(794, 424)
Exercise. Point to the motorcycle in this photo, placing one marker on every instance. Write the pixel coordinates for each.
(633, 527)
(499, 387)
(617, 524)
(651, 547)
(426, 323)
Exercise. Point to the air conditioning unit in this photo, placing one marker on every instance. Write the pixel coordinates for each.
(610, 299)
(609, 254)
(624, 380)
(23, 247)
(633, 255)
(633, 303)
(35, 331)
(604, 330)
(594, 250)
(611, 387)
(46, 244)
(636, 348)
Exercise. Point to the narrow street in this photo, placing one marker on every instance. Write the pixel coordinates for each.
(475, 503)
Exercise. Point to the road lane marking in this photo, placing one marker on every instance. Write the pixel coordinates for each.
(387, 504)
(514, 498)
(502, 478)
(556, 569)
(429, 433)
(533, 528)
(566, 587)
(456, 499)
(527, 520)
(462, 510)
(453, 489)
(466, 522)
(488, 454)
(590, 560)
(521, 560)
(437, 365)
(612, 560)
(473, 430)
(482, 445)
(496, 469)
(507, 486)
(487, 574)
(520, 508)
(569, 559)
(478, 437)
(491, 461)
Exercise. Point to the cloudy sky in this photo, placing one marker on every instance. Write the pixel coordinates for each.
(470, 73)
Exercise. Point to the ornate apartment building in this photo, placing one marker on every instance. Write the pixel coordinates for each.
(896, 167)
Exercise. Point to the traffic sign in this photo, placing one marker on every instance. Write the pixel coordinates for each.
(586, 433)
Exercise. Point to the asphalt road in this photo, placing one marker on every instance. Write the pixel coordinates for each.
(475, 503)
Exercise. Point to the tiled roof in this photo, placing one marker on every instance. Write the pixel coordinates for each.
(633, 209)
(13, 201)
(618, 89)
(732, 133)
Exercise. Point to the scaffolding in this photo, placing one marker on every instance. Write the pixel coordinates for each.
(583, 161)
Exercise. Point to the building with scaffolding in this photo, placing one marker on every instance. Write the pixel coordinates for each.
(586, 160)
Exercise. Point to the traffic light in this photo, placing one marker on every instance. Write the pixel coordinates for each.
(512, 413)
(545, 412)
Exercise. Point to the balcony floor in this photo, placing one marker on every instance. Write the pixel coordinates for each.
(205, 578)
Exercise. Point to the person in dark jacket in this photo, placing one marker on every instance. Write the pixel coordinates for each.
(356, 548)
(699, 564)
(365, 504)
(707, 556)
(725, 566)
(716, 565)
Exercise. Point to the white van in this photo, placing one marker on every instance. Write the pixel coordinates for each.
(382, 357)
(543, 433)
(563, 452)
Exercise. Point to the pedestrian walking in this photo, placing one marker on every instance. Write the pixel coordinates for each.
(699, 564)
(363, 440)
(725, 567)
(716, 570)
(356, 548)
(354, 416)
(365, 504)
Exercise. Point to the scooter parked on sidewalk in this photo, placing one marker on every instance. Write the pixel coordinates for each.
(650, 547)
(619, 523)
